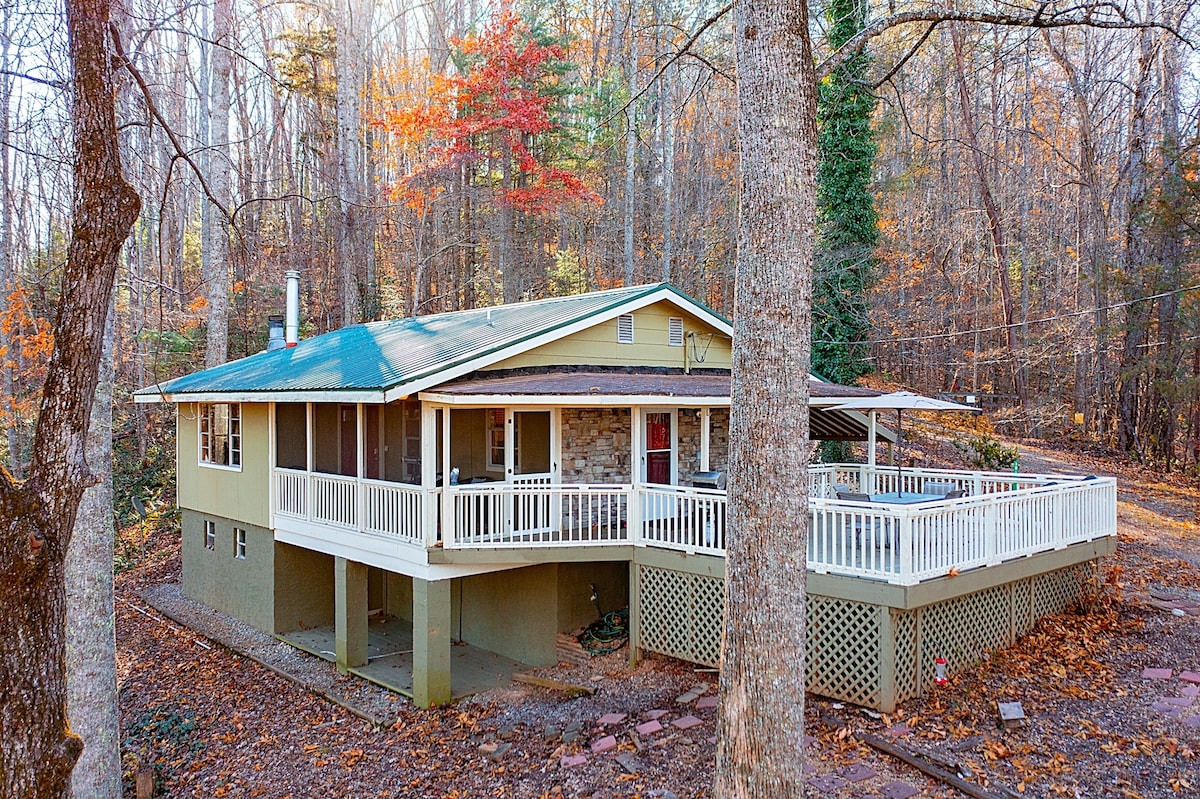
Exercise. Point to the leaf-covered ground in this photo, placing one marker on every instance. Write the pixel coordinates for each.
(211, 723)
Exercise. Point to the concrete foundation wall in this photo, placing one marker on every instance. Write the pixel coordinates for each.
(511, 612)
(240, 587)
(575, 581)
(303, 589)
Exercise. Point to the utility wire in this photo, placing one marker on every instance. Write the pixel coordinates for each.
(994, 328)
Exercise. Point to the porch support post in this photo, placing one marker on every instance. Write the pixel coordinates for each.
(887, 660)
(429, 445)
(350, 613)
(431, 642)
(635, 614)
(872, 438)
(705, 437)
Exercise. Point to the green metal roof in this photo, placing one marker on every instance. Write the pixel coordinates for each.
(381, 356)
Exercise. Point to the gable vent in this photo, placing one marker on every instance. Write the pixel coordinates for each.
(675, 332)
(625, 329)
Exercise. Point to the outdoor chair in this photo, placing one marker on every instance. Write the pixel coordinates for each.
(840, 488)
(955, 494)
(941, 488)
(851, 496)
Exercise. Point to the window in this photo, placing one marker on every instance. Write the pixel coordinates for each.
(221, 434)
(625, 329)
(210, 535)
(495, 438)
(239, 543)
(675, 332)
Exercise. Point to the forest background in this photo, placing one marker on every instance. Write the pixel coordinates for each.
(1006, 212)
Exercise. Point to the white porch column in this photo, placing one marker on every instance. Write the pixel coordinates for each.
(447, 489)
(310, 459)
(872, 436)
(633, 508)
(429, 471)
(705, 437)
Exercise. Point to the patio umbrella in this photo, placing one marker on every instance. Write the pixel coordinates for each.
(901, 401)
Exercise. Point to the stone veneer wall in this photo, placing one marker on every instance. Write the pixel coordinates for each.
(688, 429)
(718, 440)
(596, 445)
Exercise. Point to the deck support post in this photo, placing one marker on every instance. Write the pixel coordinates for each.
(635, 614)
(888, 691)
(350, 613)
(431, 642)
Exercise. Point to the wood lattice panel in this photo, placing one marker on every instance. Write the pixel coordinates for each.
(842, 653)
(681, 615)
(1054, 592)
(961, 629)
(908, 676)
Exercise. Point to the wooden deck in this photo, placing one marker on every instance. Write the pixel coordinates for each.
(390, 658)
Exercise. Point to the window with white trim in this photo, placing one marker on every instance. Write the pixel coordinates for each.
(625, 329)
(675, 331)
(239, 543)
(495, 437)
(221, 434)
(210, 535)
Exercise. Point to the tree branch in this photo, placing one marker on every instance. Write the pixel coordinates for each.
(154, 112)
(1098, 15)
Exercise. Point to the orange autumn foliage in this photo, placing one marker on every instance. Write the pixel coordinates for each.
(487, 119)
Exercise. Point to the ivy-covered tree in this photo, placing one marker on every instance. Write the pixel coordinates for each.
(847, 225)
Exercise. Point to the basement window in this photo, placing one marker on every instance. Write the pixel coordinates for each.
(221, 434)
(625, 329)
(210, 535)
(239, 543)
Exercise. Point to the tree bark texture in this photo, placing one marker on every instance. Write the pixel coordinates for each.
(761, 721)
(38, 514)
(216, 233)
(91, 637)
(354, 234)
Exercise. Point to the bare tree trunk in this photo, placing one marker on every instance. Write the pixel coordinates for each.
(6, 238)
(630, 206)
(1137, 316)
(758, 751)
(995, 223)
(91, 638)
(353, 229)
(37, 515)
(216, 234)
(667, 114)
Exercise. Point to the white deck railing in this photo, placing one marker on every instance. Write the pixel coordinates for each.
(1003, 517)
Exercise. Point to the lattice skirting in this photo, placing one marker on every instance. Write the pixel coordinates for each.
(870, 655)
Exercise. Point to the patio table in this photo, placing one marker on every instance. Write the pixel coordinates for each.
(907, 498)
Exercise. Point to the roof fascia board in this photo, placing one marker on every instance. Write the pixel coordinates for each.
(436, 378)
(572, 400)
(371, 397)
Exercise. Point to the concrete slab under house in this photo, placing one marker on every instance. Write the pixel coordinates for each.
(431, 501)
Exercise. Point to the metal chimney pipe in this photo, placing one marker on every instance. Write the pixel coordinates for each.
(291, 323)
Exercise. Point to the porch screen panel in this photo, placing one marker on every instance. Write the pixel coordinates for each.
(291, 435)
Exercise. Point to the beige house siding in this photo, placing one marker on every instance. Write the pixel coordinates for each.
(597, 346)
(233, 494)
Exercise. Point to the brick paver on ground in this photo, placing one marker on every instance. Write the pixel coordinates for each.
(857, 772)
(649, 727)
(686, 723)
(604, 744)
(612, 718)
(1151, 673)
(898, 790)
